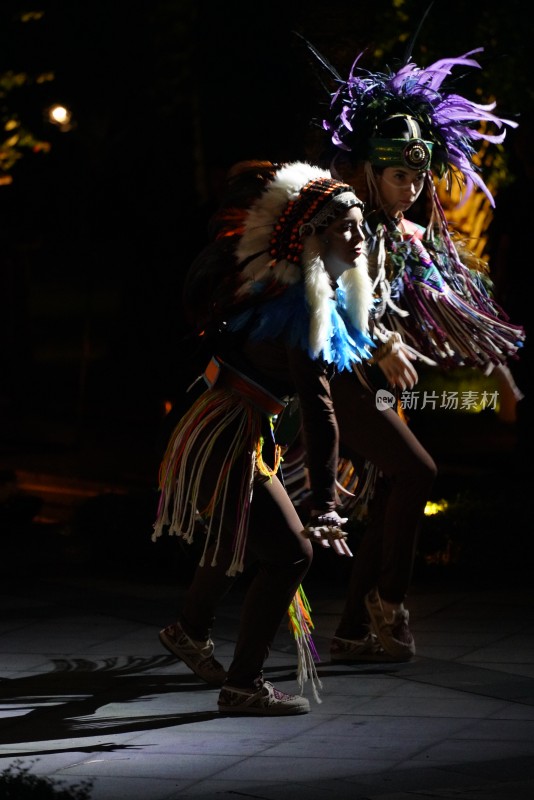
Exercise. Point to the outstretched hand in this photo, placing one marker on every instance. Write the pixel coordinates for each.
(398, 368)
(327, 531)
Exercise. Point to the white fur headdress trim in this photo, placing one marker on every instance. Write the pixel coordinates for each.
(318, 290)
(358, 287)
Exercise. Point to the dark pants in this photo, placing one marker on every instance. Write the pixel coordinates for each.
(281, 557)
(386, 554)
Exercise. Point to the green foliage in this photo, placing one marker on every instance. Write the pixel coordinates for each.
(15, 140)
(17, 783)
(17, 137)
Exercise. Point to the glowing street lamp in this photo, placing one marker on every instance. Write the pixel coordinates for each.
(60, 116)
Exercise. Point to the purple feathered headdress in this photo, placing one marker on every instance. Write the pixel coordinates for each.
(451, 122)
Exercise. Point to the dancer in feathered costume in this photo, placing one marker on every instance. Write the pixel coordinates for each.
(291, 311)
(391, 135)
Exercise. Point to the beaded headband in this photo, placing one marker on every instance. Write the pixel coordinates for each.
(339, 203)
(319, 202)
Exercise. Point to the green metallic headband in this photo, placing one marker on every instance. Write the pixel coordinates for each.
(414, 153)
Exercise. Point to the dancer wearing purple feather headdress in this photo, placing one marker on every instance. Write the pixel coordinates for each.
(393, 136)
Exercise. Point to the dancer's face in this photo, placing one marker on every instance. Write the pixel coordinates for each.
(399, 188)
(343, 242)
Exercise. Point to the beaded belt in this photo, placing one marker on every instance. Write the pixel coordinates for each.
(229, 377)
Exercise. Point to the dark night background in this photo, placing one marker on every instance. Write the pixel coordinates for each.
(97, 234)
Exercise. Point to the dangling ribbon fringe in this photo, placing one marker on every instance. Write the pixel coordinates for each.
(441, 310)
(301, 625)
(184, 462)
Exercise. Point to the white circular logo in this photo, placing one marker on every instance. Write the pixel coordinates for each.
(384, 399)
